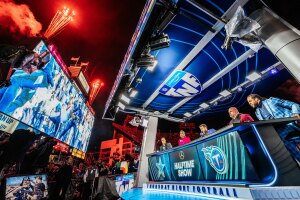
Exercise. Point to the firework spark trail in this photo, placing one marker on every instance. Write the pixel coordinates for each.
(61, 19)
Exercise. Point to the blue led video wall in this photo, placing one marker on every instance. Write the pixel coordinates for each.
(46, 100)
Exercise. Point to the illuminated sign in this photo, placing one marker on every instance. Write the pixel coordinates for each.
(48, 101)
(8, 124)
(83, 82)
(77, 153)
(124, 183)
(185, 164)
(181, 84)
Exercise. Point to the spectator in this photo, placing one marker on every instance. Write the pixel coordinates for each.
(63, 179)
(88, 180)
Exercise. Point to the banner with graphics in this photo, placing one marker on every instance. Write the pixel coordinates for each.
(226, 158)
(124, 183)
(159, 168)
(8, 124)
(185, 164)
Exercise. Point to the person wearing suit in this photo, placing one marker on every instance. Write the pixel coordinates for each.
(164, 145)
(275, 108)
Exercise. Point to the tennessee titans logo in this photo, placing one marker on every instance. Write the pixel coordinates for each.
(216, 158)
(181, 84)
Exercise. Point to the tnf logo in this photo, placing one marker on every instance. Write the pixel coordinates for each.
(181, 84)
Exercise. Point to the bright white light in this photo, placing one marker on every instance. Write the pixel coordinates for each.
(151, 68)
(204, 105)
(253, 76)
(125, 99)
(122, 106)
(133, 92)
(187, 114)
(225, 93)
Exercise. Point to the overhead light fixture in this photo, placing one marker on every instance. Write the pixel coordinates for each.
(187, 114)
(253, 76)
(225, 93)
(197, 111)
(139, 80)
(159, 42)
(204, 105)
(122, 106)
(274, 71)
(215, 101)
(132, 92)
(147, 60)
(125, 99)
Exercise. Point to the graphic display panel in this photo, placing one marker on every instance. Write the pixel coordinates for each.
(124, 183)
(226, 158)
(46, 100)
(159, 167)
(27, 187)
(185, 164)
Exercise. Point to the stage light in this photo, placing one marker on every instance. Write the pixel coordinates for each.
(122, 106)
(132, 92)
(147, 60)
(187, 114)
(204, 105)
(225, 93)
(159, 42)
(253, 76)
(139, 80)
(125, 99)
(274, 71)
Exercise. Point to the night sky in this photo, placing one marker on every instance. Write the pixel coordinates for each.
(100, 34)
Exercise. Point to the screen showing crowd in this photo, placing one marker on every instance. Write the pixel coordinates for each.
(46, 100)
(26, 187)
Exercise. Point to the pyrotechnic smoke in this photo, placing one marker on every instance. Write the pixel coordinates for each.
(18, 18)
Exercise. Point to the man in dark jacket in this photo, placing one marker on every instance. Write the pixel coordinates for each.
(164, 145)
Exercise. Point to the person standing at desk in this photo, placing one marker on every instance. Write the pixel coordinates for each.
(183, 138)
(164, 145)
(237, 117)
(274, 108)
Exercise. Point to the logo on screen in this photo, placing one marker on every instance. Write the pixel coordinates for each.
(160, 166)
(216, 158)
(181, 155)
(181, 84)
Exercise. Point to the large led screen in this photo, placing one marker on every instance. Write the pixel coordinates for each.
(46, 100)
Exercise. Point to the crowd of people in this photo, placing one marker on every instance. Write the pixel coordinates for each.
(265, 109)
(25, 152)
